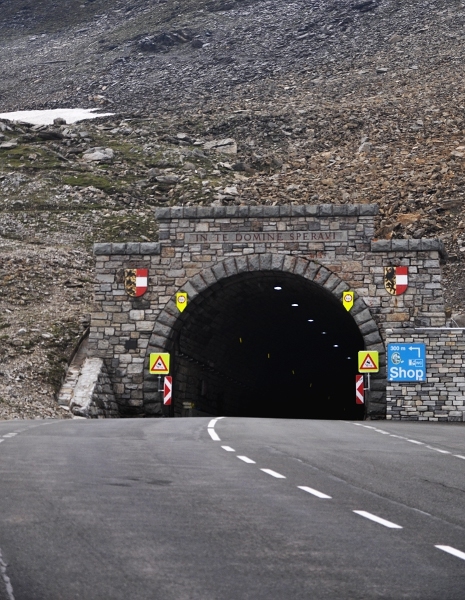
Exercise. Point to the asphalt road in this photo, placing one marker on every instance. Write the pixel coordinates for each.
(273, 509)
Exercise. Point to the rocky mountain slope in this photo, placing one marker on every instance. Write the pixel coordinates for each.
(214, 102)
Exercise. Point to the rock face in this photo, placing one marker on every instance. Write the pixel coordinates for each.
(244, 102)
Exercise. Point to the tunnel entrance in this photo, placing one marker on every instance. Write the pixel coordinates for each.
(267, 344)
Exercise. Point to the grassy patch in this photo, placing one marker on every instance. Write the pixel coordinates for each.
(90, 180)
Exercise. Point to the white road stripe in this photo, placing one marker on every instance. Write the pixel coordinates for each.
(376, 519)
(212, 423)
(273, 473)
(228, 448)
(452, 551)
(246, 459)
(214, 436)
(401, 437)
(9, 435)
(313, 492)
(6, 579)
(1, 441)
(438, 450)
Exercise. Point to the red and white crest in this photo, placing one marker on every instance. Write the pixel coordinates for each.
(136, 281)
(396, 280)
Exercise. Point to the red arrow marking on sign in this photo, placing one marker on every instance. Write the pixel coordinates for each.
(167, 390)
(359, 397)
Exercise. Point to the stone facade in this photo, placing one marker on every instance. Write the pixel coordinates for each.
(200, 247)
(442, 396)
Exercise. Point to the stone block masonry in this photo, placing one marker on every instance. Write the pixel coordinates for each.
(330, 245)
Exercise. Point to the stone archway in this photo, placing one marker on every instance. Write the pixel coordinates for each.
(307, 276)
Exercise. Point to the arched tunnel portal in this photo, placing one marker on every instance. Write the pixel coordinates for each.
(266, 344)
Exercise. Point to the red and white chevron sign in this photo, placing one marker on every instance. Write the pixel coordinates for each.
(167, 390)
(359, 391)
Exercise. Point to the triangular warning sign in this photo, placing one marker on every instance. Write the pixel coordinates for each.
(158, 366)
(159, 363)
(368, 362)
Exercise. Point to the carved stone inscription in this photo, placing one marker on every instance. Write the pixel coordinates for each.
(259, 237)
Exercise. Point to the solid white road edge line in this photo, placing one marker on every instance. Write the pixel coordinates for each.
(452, 551)
(6, 579)
(273, 473)
(246, 459)
(376, 519)
(313, 492)
(214, 436)
(438, 450)
(228, 448)
(400, 437)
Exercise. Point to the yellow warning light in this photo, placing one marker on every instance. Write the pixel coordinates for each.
(348, 299)
(269, 355)
(240, 340)
(181, 301)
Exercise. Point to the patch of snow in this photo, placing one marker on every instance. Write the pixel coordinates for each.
(46, 117)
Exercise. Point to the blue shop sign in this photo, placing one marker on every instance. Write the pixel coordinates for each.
(406, 362)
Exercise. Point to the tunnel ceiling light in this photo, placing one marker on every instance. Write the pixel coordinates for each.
(349, 358)
(310, 320)
(278, 288)
(295, 304)
(323, 333)
(335, 345)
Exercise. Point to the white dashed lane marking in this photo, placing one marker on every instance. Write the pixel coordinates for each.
(246, 459)
(214, 436)
(452, 551)
(228, 448)
(313, 492)
(376, 519)
(273, 473)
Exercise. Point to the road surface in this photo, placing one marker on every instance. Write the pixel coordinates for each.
(231, 509)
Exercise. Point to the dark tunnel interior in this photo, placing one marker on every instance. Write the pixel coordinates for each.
(267, 344)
